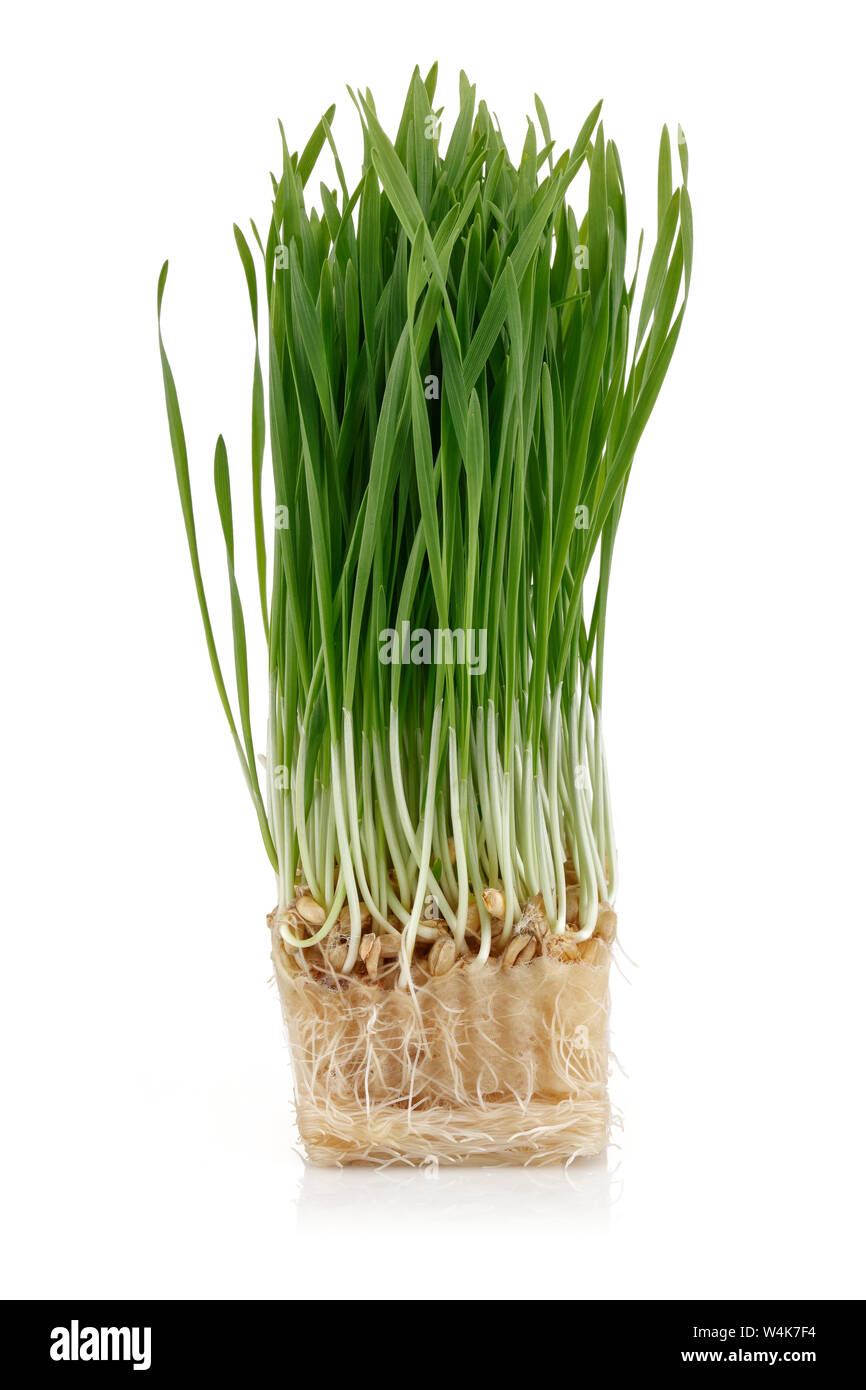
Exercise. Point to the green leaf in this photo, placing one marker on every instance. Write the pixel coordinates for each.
(178, 446)
(258, 428)
(665, 178)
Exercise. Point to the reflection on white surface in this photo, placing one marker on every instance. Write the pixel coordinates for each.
(584, 1192)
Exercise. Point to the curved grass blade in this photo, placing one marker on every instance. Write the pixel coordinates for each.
(178, 448)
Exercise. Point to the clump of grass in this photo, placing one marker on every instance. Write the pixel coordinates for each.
(458, 373)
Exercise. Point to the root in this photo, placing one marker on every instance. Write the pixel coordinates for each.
(485, 1063)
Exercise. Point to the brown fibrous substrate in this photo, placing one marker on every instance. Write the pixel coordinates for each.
(504, 1062)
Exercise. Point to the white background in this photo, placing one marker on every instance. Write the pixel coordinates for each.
(148, 1144)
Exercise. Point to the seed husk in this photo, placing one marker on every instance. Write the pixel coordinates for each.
(443, 955)
(337, 954)
(519, 951)
(373, 956)
(593, 952)
(494, 901)
(606, 926)
(311, 912)
(345, 917)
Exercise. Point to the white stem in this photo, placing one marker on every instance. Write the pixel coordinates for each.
(411, 928)
(354, 818)
(553, 769)
(298, 778)
(427, 883)
(345, 860)
(392, 833)
(459, 844)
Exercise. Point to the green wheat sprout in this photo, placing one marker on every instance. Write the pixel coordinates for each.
(455, 390)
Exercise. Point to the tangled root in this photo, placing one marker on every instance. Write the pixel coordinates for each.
(485, 1064)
